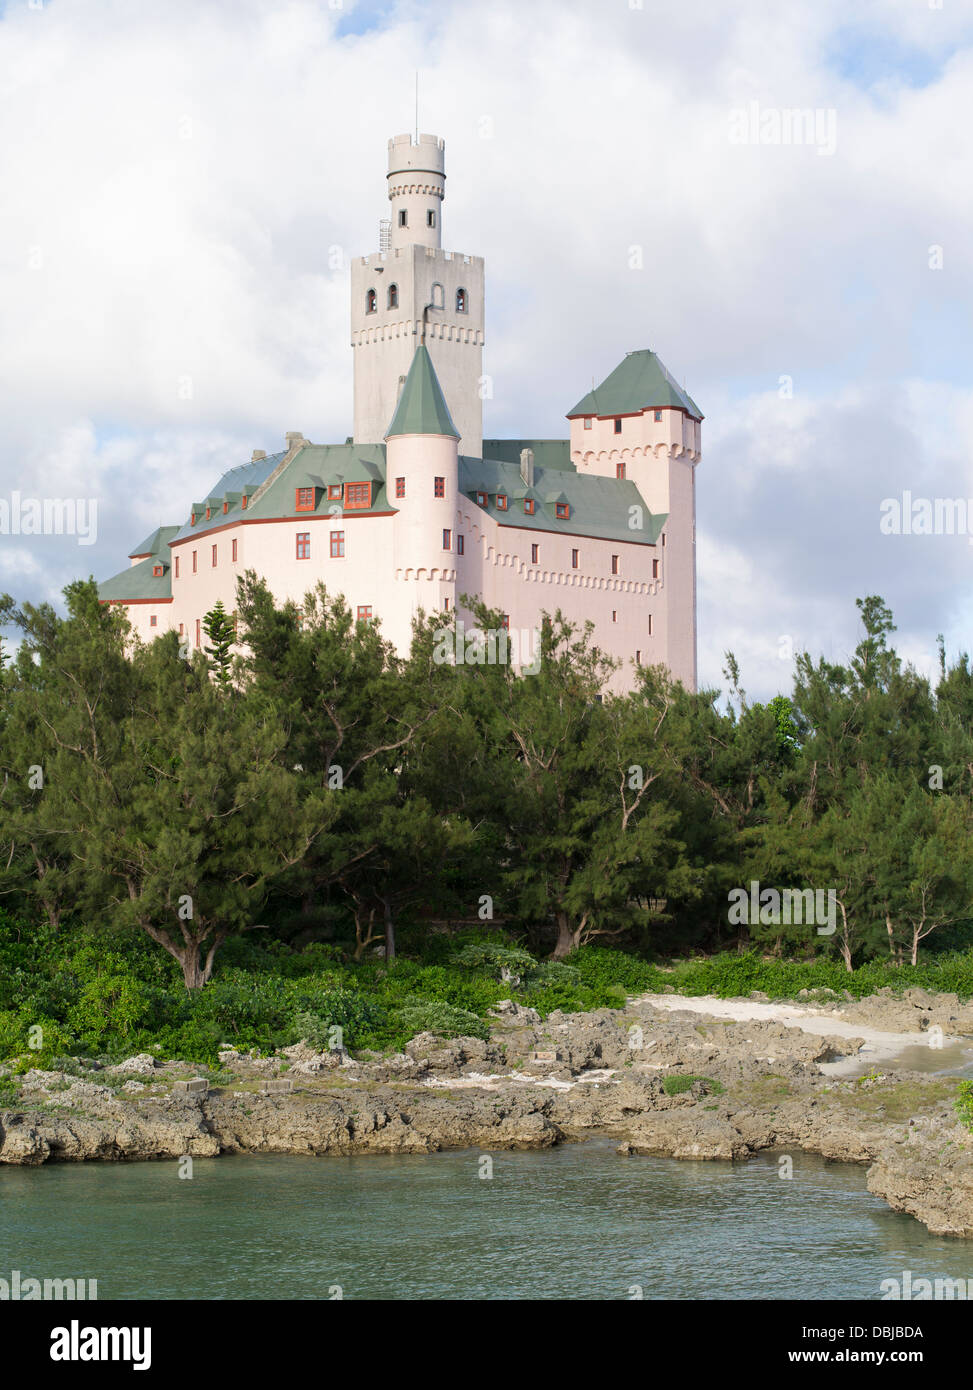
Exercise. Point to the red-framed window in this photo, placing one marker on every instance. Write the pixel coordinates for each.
(655, 569)
(157, 571)
(501, 502)
(446, 605)
(176, 558)
(529, 506)
(620, 469)
(439, 487)
(618, 425)
(194, 562)
(153, 621)
(199, 637)
(400, 487)
(562, 511)
(358, 495)
(226, 508)
(243, 501)
(182, 629)
(505, 621)
(337, 544)
(614, 564)
(303, 550)
(234, 550)
(650, 624)
(335, 491)
(481, 499)
(364, 612)
(214, 557)
(535, 551)
(460, 545)
(574, 559)
(614, 615)
(304, 499)
(447, 540)
(209, 513)
(192, 518)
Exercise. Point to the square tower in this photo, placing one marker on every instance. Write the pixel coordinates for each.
(413, 292)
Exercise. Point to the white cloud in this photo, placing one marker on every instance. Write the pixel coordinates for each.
(181, 172)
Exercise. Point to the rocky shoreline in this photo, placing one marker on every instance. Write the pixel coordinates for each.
(658, 1077)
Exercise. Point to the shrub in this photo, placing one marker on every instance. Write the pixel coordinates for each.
(964, 1104)
(678, 1085)
(442, 1019)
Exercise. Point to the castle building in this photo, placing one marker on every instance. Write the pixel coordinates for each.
(416, 509)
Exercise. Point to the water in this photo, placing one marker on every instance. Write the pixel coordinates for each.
(573, 1222)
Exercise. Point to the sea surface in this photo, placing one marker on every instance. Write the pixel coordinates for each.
(575, 1222)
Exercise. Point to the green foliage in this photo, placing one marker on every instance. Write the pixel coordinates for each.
(964, 1104)
(678, 1085)
(442, 1019)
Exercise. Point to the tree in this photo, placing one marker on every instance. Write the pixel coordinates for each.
(220, 628)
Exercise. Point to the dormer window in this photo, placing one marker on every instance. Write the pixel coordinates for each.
(481, 499)
(243, 502)
(371, 302)
(157, 571)
(393, 296)
(335, 492)
(501, 502)
(304, 499)
(529, 506)
(358, 495)
(226, 508)
(209, 513)
(562, 511)
(462, 303)
(192, 518)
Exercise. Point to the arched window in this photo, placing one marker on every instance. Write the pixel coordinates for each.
(438, 296)
(371, 302)
(393, 296)
(461, 303)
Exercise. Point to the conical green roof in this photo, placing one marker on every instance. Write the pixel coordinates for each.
(639, 382)
(422, 407)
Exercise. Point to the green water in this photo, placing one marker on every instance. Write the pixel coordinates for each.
(573, 1222)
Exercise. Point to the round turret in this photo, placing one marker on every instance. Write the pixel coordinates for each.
(417, 185)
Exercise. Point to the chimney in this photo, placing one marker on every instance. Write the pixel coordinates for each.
(294, 439)
(258, 454)
(527, 467)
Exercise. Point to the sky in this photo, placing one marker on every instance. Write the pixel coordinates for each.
(184, 186)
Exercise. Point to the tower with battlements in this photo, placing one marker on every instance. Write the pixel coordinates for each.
(411, 292)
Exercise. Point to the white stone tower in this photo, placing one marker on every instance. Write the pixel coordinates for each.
(412, 291)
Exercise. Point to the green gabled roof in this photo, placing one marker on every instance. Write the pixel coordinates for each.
(138, 582)
(156, 543)
(548, 453)
(600, 507)
(639, 382)
(422, 407)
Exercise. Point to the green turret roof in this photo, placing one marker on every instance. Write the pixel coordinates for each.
(639, 382)
(422, 407)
